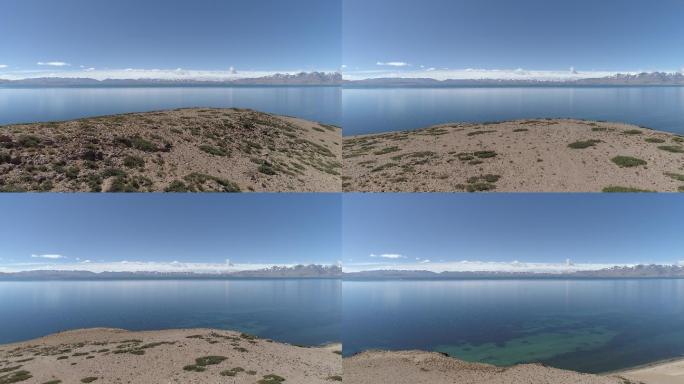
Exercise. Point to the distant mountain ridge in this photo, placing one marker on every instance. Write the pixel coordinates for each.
(644, 78)
(335, 272)
(302, 78)
(298, 271)
(637, 271)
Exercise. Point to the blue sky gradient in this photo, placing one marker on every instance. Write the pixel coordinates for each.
(253, 35)
(607, 35)
(503, 228)
(162, 228)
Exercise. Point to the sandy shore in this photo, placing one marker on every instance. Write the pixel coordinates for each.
(557, 155)
(171, 356)
(670, 372)
(222, 150)
(419, 367)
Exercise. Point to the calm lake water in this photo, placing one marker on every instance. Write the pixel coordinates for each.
(25, 105)
(306, 312)
(590, 326)
(392, 109)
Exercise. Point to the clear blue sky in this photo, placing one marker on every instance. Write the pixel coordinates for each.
(547, 228)
(197, 34)
(199, 228)
(503, 34)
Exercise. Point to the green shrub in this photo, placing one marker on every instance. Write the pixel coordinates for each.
(209, 360)
(654, 140)
(28, 141)
(676, 176)
(618, 189)
(213, 150)
(485, 154)
(177, 186)
(271, 379)
(15, 377)
(232, 371)
(267, 168)
(583, 144)
(672, 148)
(386, 150)
(134, 162)
(72, 172)
(628, 161)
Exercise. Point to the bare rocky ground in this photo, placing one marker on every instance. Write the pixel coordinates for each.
(418, 367)
(182, 150)
(103, 355)
(548, 155)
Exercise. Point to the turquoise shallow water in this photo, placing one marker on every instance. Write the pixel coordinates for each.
(590, 325)
(25, 105)
(305, 312)
(392, 109)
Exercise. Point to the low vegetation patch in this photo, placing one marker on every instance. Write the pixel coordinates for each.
(520, 130)
(134, 162)
(628, 161)
(15, 377)
(232, 372)
(484, 154)
(676, 176)
(633, 132)
(383, 167)
(475, 133)
(209, 360)
(469, 156)
(130, 184)
(216, 151)
(28, 141)
(267, 168)
(672, 148)
(654, 140)
(194, 368)
(271, 379)
(247, 336)
(619, 189)
(386, 150)
(137, 142)
(199, 182)
(583, 144)
(88, 379)
(482, 183)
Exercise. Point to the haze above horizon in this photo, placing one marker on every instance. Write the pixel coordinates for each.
(500, 39)
(168, 39)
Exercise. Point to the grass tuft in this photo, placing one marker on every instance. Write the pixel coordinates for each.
(619, 189)
(583, 144)
(628, 161)
(215, 151)
(672, 148)
(271, 379)
(386, 150)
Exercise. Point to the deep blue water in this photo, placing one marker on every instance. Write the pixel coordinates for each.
(26, 105)
(306, 312)
(589, 326)
(391, 109)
